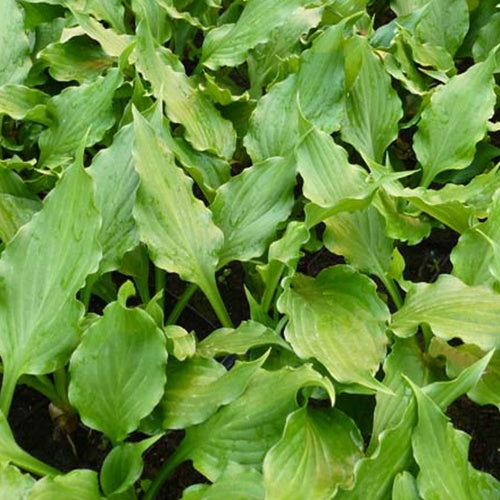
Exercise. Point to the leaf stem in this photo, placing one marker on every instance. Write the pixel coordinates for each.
(43, 385)
(61, 386)
(9, 381)
(87, 290)
(181, 303)
(393, 290)
(209, 288)
(172, 462)
(271, 287)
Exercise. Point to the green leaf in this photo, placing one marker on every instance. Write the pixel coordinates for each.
(405, 487)
(179, 342)
(123, 466)
(250, 206)
(228, 45)
(116, 183)
(441, 453)
(75, 485)
(20, 102)
(14, 45)
(373, 108)
(487, 390)
(118, 371)
(452, 309)
(248, 335)
(273, 128)
(196, 388)
(319, 445)
(244, 430)
(14, 483)
(77, 111)
(184, 103)
(487, 38)
(337, 319)
(442, 142)
(320, 80)
(50, 256)
(361, 238)
(80, 59)
(177, 227)
(330, 181)
(475, 255)
(236, 482)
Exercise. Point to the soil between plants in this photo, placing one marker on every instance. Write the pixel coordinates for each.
(37, 433)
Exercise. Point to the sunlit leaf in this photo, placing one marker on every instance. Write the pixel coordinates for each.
(452, 309)
(121, 355)
(337, 319)
(78, 484)
(14, 483)
(321, 445)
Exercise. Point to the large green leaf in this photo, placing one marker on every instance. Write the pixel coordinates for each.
(116, 183)
(177, 227)
(315, 455)
(478, 249)
(14, 45)
(184, 102)
(452, 309)
(78, 112)
(487, 39)
(442, 142)
(229, 44)
(337, 319)
(196, 388)
(273, 128)
(118, 370)
(373, 108)
(78, 484)
(320, 80)
(250, 206)
(330, 181)
(41, 270)
(244, 430)
(441, 453)
(361, 238)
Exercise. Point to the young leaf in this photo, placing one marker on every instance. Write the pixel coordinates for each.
(476, 252)
(41, 270)
(236, 482)
(184, 103)
(76, 111)
(442, 142)
(373, 108)
(321, 445)
(248, 335)
(116, 183)
(118, 371)
(177, 227)
(405, 487)
(338, 319)
(198, 387)
(229, 44)
(78, 484)
(250, 206)
(452, 309)
(14, 483)
(244, 430)
(123, 466)
(441, 453)
(14, 45)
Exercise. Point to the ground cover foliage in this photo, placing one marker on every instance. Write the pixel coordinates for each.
(146, 143)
